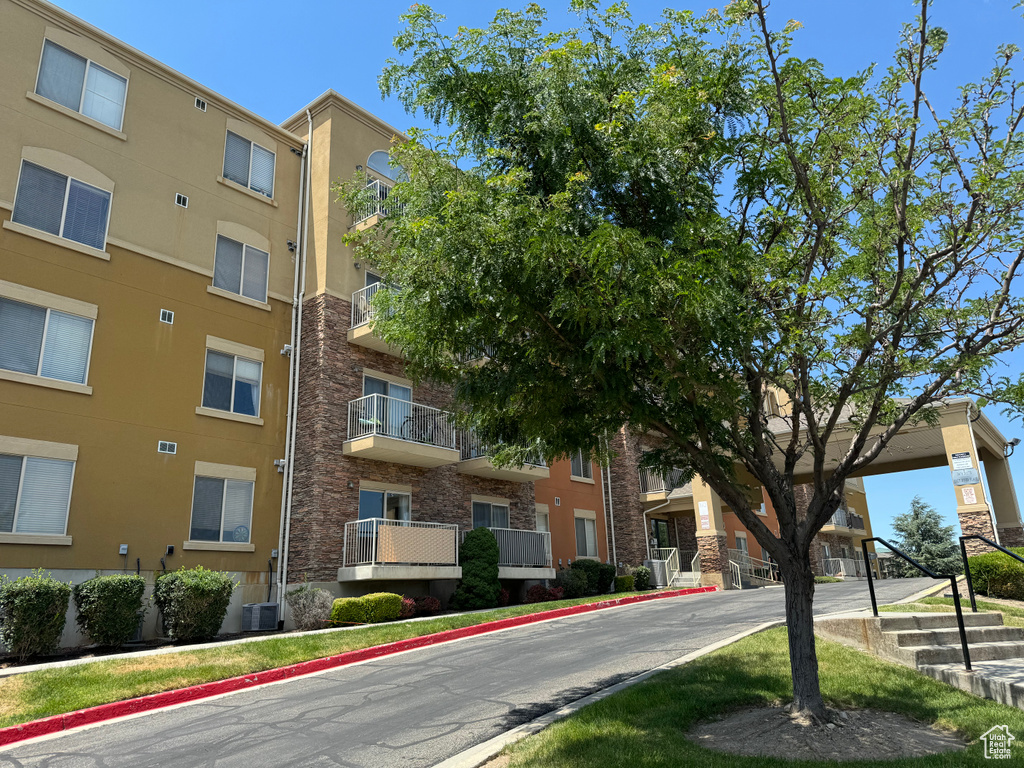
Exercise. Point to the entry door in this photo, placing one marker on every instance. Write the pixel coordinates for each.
(660, 530)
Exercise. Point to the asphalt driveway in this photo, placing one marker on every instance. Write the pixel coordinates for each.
(418, 708)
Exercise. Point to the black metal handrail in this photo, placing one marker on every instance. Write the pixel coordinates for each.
(967, 569)
(929, 572)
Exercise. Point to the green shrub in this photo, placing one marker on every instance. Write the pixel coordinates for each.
(624, 583)
(591, 569)
(605, 577)
(110, 607)
(193, 602)
(826, 580)
(348, 610)
(33, 610)
(573, 582)
(381, 606)
(996, 575)
(479, 587)
(310, 606)
(641, 578)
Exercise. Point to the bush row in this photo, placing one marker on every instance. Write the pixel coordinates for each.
(996, 575)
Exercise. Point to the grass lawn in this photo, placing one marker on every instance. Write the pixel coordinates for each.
(34, 695)
(1012, 615)
(645, 725)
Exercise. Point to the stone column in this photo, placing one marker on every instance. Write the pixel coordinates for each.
(711, 539)
(1004, 502)
(971, 505)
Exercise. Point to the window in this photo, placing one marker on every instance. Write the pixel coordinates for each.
(232, 383)
(249, 164)
(543, 521)
(44, 342)
(241, 269)
(390, 505)
(34, 495)
(62, 206)
(81, 85)
(488, 515)
(221, 510)
(380, 162)
(579, 467)
(586, 537)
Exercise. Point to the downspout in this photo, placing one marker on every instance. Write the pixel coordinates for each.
(298, 297)
(611, 508)
(604, 512)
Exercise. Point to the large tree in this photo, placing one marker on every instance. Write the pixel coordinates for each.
(921, 534)
(650, 226)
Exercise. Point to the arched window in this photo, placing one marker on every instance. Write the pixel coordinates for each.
(380, 162)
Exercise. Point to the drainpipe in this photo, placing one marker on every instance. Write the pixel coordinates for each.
(298, 294)
(611, 508)
(647, 537)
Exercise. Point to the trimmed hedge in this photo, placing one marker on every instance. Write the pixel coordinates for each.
(591, 570)
(641, 578)
(624, 583)
(573, 582)
(33, 610)
(193, 602)
(310, 606)
(605, 578)
(479, 587)
(110, 607)
(374, 608)
(996, 575)
(826, 580)
(348, 610)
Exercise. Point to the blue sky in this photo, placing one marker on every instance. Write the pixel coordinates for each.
(275, 64)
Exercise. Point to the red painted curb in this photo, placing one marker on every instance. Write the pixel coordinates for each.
(15, 733)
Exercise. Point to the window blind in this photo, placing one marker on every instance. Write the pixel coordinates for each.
(104, 96)
(217, 384)
(499, 516)
(40, 199)
(227, 268)
(247, 387)
(207, 498)
(237, 511)
(45, 494)
(86, 218)
(21, 336)
(236, 159)
(61, 75)
(10, 477)
(254, 277)
(262, 176)
(66, 352)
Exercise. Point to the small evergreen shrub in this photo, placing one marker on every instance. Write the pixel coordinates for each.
(605, 577)
(408, 608)
(109, 607)
(591, 569)
(381, 606)
(826, 580)
(573, 582)
(193, 602)
(479, 587)
(33, 610)
(310, 606)
(641, 578)
(426, 605)
(538, 593)
(996, 575)
(624, 583)
(348, 610)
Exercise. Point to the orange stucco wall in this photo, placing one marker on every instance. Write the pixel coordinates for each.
(571, 495)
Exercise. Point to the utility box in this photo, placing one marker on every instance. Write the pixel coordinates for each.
(259, 617)
(659, 572)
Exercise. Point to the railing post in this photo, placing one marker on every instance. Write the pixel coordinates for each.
(967, 573)
(871, 583)
(373, 543)
(960, 623)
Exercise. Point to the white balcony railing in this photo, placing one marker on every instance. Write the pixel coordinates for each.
(652, 481)
(520, 548)
(377, 205)
(362, 304)
(376, 541)
(844, 567)
(400, 419)
(472, 447)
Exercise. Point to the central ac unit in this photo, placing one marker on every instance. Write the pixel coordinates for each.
(259, 617)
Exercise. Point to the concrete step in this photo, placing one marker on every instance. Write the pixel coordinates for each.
(895, 622)
(952, 654)
(918, 637)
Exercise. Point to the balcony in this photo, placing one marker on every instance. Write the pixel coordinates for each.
(844, 521)
(655, 486)
(523, 554)
(844, 567)
(377, 207)
(361, 328)
(475, 460)
(399, 431)
(379, 549)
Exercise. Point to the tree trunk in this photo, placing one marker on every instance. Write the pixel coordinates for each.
(803, 660)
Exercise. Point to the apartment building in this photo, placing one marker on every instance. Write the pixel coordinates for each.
(571, 505)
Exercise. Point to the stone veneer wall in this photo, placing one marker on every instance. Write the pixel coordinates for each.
(630, 534)
(332, 375)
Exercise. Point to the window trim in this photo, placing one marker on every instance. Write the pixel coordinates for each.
(248, 185)
(222, 472)
(206, 410)
(51, 302)
(89, 62)
(56, 538)
(492, 502)
(59, 238)
(218, 291)
(585, 514)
